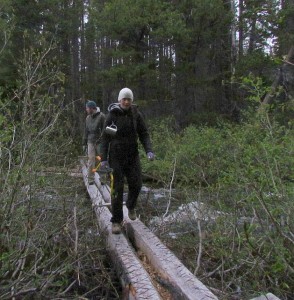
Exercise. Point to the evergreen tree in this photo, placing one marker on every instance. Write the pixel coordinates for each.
(134, 35)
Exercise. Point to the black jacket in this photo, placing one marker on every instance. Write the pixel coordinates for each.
(130, 126)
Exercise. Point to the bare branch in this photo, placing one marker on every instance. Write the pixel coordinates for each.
(170, 188)
(199, 248)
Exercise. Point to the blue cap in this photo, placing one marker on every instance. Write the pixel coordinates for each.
(91, 104)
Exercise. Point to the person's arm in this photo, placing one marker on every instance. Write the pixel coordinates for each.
(100, 126)
(102, 121)
(105, 139)
(143, 133)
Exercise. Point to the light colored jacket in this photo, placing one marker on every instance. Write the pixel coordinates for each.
(93, 128)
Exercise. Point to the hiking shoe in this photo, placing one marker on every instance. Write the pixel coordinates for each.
(132, 214)
(116, 228)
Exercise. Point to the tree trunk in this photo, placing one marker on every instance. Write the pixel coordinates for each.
(270, 95)
(233, 38)
(241, 28)
(252, 35)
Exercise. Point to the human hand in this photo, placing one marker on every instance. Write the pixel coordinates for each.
(150, 156)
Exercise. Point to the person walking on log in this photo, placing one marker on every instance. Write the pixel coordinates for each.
(92, 136)
(119, 150)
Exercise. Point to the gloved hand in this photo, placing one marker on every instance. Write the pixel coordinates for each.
(85, 149)
(150, 156)
(104, 165)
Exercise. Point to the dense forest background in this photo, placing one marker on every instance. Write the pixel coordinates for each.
(215, 80)
(193, 59)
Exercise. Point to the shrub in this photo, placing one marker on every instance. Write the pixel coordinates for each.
(245, 173)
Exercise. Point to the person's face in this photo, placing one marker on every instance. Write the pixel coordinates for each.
(90, 110)
(125, 103)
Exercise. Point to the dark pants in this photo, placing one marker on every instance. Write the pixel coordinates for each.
(125, 166)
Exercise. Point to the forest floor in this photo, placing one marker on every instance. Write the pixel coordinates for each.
(67, 257)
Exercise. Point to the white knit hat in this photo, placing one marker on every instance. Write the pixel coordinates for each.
(125, 93)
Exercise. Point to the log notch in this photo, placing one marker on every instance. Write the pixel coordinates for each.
(182, 283)
(135, 280)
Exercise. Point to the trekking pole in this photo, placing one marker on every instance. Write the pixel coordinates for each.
(108, 171)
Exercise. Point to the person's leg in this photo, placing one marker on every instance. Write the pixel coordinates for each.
(134, 179)
(91, 161)
(118, 190)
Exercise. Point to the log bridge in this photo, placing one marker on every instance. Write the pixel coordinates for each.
(127, 249)
(147, 269)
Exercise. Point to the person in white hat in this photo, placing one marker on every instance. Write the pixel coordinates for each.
(119, 150)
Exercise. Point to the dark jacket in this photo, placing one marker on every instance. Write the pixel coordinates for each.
(93, 128)
(130, 126)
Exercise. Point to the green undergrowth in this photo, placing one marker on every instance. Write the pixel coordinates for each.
(50, 246)
(242, 245)
(259, 152)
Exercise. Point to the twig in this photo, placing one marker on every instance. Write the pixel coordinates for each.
(76, 243)
(287, 62)
(170, 188)
(199, 248)
(68, 288)
(31, 290)
(5, 42)
(274, 221)
(76, 231)
(213, 271)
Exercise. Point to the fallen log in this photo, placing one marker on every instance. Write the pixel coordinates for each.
(181, 283)
(135, 280)
(177, 278)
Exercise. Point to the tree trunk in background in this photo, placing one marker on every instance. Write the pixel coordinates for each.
(252, 35)
(83, 49)
(65, 48)
(286, 31)
(105, 65)
(203, 62)
(241, 28)
(281, 79)
(233, 37)
(285, 76)
(182, 59)
(75, 52)
(91, 56)
(165, 67)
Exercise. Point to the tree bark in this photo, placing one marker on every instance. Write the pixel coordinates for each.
(241, 27)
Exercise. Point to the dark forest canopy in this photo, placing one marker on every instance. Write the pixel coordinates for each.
(180, 57)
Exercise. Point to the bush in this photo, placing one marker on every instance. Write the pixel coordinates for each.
(245, 173)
